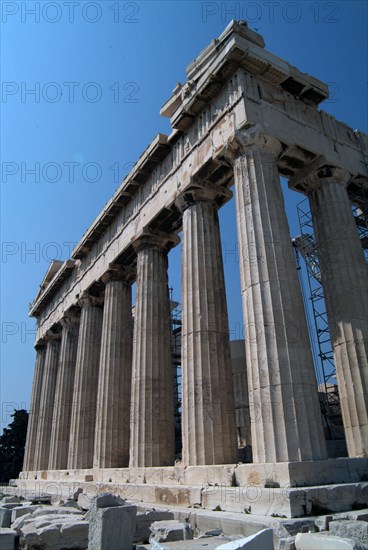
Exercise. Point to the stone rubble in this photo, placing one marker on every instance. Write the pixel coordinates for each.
(112, 523)
(35, 526)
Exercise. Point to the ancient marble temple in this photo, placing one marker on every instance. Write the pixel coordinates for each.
(102, 399)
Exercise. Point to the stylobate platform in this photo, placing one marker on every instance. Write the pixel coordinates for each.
(292, 489)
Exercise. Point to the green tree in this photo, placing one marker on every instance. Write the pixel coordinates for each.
(12, 444)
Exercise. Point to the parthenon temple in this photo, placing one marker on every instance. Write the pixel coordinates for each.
(103, 397)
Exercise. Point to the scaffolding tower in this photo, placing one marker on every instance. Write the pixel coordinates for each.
(305, 247)
(176, 363)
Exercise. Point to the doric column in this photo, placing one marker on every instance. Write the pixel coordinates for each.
(284, 406)
(60, 434)
(208, 411)
(42, 450)
(345, 283)
(152, 408)
(113, 401)
(34, 412)
(83, 419)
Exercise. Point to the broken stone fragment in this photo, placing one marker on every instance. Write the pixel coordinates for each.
(111, 527)
(320, 541)
(166, 531)
(10, 500)
(8, 538)
(357, 530)
(107, 500)
(263, 540)
(20, 511)
(5, 517)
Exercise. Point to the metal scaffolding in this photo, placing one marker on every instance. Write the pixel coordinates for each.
(176, 363)
(306, 247)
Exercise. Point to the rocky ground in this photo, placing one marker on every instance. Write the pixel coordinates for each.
(107, 522)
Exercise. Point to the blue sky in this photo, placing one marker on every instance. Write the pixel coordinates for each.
(100, 72)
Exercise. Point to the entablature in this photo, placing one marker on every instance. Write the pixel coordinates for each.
(146, 198)
(236, 48)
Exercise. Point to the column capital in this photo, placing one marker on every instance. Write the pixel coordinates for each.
(88, 300)
(316, 174)
(245, 142)
(52, 336)
(248, 142)
(202, 192)
(117, 272)
(40, 344)
(70, 319)
(156, 239)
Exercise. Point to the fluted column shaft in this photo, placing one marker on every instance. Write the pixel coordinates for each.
(285, 413)
(241, 397)
(152, 408)
(83, 419)
(208, 410)
(42, 450)
(113, 402)
(345, 283)
(60, 434)
(34, 412)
